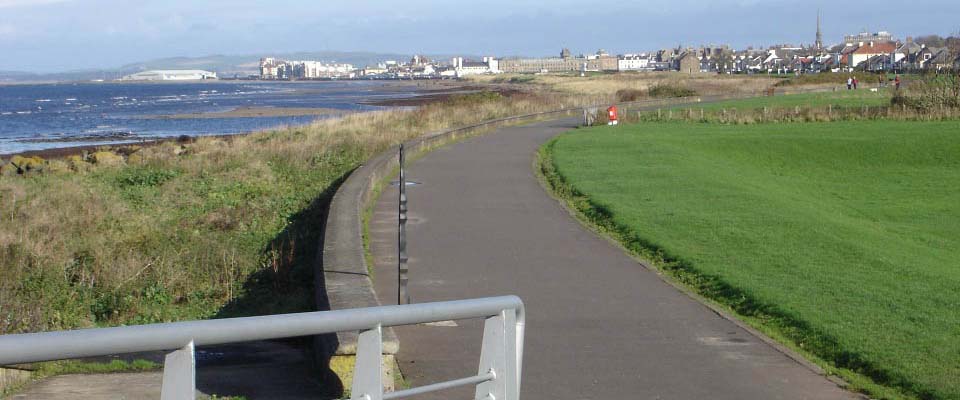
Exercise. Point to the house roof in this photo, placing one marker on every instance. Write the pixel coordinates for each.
(909, 48)
(876, 48)
(848, 49)
(942, 56)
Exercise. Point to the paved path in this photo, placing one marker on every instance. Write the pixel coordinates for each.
(599, 325)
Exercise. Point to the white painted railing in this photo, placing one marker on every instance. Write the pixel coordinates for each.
(498, 375)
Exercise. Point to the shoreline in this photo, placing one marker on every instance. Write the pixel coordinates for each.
(63, 152)
(255, 112)
(430, 92)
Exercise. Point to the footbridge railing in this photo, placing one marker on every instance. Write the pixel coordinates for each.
(498, 375)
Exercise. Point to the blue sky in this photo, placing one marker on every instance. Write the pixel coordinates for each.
(61, 35)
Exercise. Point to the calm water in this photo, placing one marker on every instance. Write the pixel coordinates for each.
(34, 117)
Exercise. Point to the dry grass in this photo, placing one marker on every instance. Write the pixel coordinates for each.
(214, 227)
(604, 87)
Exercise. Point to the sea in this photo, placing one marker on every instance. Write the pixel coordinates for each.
(46, 116)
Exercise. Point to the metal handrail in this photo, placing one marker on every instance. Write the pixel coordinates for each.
(500, 360)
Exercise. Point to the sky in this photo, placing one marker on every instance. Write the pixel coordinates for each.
(69, 35)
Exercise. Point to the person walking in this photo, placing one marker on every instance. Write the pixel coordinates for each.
(855, 82)
(896, 82)
(849, 83)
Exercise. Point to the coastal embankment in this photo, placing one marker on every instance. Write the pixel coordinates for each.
(208, 227)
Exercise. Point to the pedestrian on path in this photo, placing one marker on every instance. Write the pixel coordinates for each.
(896, 81)
(849, 83)
(855, 83)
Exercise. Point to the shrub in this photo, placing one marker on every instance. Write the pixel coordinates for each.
(514, 79)
(665, 90)
(7, 169)
(27, 164)
(930, 94)
(106, 158)
(522, 79)
(625, 95)
(76, 163)
(145, 176)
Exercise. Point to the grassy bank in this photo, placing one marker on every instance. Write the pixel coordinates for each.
(840, 238)
(604, 87)
(214, 228)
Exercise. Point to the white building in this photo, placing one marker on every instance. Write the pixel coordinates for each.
(634, 62)
(171, 75)
(271, 68)
(462, 67)
(379, 69)
(317, 69)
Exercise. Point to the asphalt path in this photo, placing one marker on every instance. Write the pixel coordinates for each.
(599, 324)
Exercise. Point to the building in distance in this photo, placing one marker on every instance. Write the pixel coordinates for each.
(868, 37)
(171, 75)
(273, 69)
(601, 61)
(459, 67)
(634, 62)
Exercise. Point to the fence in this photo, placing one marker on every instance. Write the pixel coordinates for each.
(500, 357)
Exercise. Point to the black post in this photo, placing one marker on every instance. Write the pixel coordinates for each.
(403, 297)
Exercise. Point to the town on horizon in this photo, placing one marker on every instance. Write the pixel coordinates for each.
(865, 51)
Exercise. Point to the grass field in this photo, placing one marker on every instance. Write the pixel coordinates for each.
(842, 238)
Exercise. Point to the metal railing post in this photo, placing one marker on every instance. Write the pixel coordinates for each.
(493, 359)
(368, 370)
(179, 374)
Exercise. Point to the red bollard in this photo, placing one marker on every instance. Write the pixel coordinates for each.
(612, 115)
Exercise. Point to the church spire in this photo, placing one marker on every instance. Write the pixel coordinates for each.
(819, 43)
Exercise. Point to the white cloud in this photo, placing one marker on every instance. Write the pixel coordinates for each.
(25, 3)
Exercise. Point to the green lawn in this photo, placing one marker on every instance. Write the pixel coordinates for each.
(844, 236)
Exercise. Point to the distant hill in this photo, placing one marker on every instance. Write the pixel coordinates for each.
(26, 77)
(15, 76)
(223, 65)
